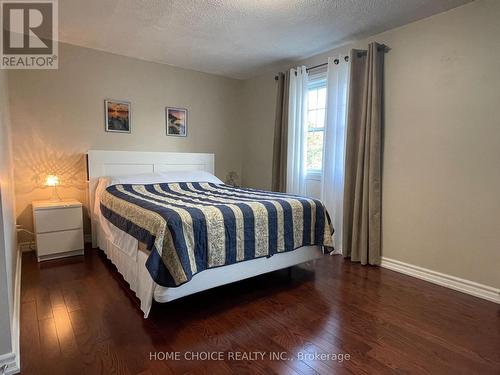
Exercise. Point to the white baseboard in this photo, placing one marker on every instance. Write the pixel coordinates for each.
(27, 246)
(465, 286)
(12, 360)
(16, 320)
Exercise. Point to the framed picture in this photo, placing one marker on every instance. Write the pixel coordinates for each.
(117, 113)
(176, 119)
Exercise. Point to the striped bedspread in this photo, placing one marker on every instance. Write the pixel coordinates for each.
(194, 226)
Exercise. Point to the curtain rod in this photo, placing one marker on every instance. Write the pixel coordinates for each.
(336, 62)
(382, 47)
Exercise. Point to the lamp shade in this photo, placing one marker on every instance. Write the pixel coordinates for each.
(52, 180)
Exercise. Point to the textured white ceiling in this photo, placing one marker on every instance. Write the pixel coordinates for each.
(235, 38)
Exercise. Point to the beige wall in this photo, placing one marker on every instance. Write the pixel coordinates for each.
(441, 181)
(8, 242)
(58, 115)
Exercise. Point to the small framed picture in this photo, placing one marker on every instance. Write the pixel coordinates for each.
(117, 113)
(176, 121)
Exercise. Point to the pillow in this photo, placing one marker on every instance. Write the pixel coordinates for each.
(144, 178)
(164, 177)
(190, 176)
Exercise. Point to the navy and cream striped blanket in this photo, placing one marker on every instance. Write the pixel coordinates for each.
(194, 226)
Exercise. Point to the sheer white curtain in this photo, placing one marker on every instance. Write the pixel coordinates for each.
(297, 111)
(332, 189)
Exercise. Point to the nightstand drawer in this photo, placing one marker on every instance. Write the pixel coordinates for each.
(57, 242)
(51, 220)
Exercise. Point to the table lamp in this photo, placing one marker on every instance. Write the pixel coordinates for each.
(53, 181)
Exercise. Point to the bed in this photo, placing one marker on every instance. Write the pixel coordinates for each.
(173, 229)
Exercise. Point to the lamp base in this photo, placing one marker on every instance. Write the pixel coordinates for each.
(55, 196)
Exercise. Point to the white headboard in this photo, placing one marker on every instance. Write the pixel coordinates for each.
(118, 163)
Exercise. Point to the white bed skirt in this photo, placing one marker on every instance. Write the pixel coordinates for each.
(133, 269)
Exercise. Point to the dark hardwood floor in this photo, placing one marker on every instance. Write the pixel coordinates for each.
(78, 317)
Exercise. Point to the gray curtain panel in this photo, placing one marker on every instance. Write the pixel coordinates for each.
(362, 186)
(281, 134)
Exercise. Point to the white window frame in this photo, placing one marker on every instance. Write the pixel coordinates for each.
(317, 80)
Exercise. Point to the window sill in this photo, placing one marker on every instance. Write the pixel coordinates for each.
(317, 176)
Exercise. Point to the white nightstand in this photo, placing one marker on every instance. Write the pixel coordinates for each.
(58, 229)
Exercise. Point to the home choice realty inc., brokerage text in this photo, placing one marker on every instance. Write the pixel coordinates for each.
(247, 356)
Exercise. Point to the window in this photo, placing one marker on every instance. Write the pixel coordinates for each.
(316, 114)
